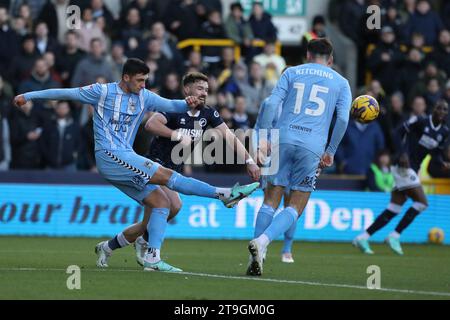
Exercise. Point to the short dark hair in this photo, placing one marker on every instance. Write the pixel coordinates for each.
(236, 5)
(70, 31)
(96, 39)
(193, 77)
(28, 37)
(134, 66)
(320, 47)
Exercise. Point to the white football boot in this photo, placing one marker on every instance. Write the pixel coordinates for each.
(140, 247)
(102, 255)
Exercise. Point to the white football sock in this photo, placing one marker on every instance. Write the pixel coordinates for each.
(106, 247)
(122, 240)
(363, 236)
(223, 192)
(140, 240)
(263, 241)
(153, 255)
(394, 234)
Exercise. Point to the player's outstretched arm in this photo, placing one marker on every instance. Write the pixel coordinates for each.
(89, 94)
(156, 103)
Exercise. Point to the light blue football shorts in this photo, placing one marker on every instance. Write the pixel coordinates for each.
(127, 171)
(297, 169)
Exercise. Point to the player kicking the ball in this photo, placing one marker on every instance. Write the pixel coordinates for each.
(418, 137)
(309, 94)
(119, 109)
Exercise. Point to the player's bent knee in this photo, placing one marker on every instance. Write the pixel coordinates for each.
(175, 208)
(157, 199)
(162, 176)
(419, 206)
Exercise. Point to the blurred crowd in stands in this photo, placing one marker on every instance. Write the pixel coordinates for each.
(405, 65)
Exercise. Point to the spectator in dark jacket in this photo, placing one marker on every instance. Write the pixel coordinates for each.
(418, 107)
(171, 87)
(211, 5)
(409, 73)
(425, 21)
(359, 146)
(385, 60)
(9, 42)
(130, 33)
(69, 57)
(60, 140)
(181, 19)
(25, 133)
(5, 111)
(441, 52)
(87, 144)
(261, 23)
(44, 42)
(212, 29)
(349, 19)
(158, 63)
(54, 14)
(391, 117)
(22, 64)
(433, 93)
(446, 97)
(40, 79)
(393, 19)
(148, 12)
(430, 71)
(446, 14)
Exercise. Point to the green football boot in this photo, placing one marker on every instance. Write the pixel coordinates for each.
(363, 245)
(394, 244)
(238, 193)
(160, 266)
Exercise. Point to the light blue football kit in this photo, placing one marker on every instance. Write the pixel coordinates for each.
(309, 94)
(116, 120)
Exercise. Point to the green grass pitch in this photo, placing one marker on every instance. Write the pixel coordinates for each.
(35, 268)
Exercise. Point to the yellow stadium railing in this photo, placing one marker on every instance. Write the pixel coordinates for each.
(197, 44)
(436, 186)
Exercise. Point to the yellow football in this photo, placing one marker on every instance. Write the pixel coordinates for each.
(436, 235)
(365, 109)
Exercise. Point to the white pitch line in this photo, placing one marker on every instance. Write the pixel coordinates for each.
(300, 282)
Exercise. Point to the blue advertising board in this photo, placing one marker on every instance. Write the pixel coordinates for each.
(102, 211)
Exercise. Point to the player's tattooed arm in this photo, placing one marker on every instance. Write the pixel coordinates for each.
(232, 141)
